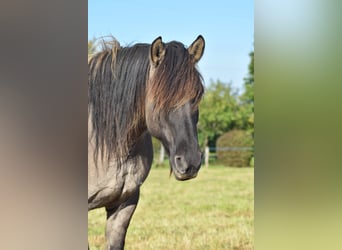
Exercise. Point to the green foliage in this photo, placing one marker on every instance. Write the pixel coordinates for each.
(218, 111)
(235, 158)
(251, 163)
(247, 99)
(156, 147)
(222, 109)
(249, 80)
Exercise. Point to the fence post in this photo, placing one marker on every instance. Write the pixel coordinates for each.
(162, 154)
(206, 156)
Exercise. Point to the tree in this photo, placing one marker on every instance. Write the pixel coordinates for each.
(222, 109)
(218, 112)
(247, 99)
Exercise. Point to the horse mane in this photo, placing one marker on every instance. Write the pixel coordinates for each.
(118, 87)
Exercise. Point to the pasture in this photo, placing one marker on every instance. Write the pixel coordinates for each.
(213, 211)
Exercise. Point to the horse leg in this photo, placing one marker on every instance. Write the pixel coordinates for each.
(118, 220)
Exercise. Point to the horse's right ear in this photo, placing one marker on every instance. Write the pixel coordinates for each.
(196, 49)
(157, 52)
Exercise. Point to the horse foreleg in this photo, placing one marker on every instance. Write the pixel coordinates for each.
(118, 220)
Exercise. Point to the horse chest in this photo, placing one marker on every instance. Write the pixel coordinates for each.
(114, 187)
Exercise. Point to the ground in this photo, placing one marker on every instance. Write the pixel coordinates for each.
(213, 211)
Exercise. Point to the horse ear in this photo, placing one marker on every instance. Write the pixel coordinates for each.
(196, 49)
(157, 52)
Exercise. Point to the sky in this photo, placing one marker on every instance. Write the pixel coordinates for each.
(226, 25)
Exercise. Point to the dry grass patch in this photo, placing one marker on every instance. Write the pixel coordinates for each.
(213, 211)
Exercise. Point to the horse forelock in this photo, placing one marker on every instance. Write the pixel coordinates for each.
(175, 81)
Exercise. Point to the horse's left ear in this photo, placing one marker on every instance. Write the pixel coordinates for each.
(196, 49)
(157, 52)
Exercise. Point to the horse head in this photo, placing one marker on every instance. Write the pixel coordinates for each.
(174, 89)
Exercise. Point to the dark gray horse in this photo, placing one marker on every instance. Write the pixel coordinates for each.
(135, 92)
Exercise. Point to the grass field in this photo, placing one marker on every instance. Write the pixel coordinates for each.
(213, 211)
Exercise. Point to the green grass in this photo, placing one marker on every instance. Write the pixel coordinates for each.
(213, 211)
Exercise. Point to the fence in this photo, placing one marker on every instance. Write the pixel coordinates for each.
(207, 153)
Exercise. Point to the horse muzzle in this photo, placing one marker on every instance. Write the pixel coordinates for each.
(186, 169)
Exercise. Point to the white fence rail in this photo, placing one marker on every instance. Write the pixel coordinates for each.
(207, 151)
(216, 149)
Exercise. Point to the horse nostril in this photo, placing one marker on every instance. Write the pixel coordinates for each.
(178, 158)
(186, 167)
(180, 164)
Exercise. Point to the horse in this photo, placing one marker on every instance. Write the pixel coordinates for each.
(136, 92)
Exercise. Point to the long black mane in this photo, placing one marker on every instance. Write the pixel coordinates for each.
(117, 82)
(117, 89)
